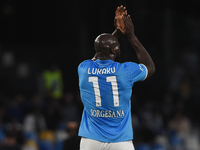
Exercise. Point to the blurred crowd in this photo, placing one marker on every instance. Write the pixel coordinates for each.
(38, 123)
(49, 120)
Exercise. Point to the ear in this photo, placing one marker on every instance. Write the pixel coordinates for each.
(112, 50)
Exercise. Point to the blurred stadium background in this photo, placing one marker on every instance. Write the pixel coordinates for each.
(42, 44)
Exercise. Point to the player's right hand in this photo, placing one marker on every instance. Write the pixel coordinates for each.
(119, 22)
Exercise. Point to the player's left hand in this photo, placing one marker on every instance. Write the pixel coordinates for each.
(119, 22)
(129, 27)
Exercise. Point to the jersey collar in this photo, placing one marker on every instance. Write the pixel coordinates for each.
(104, 62)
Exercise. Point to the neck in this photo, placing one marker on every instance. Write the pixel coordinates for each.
(105, 57)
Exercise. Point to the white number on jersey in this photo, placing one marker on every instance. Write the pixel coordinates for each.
(114, 85)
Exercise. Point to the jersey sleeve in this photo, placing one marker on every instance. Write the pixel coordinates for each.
(83, 64)
(138, 72)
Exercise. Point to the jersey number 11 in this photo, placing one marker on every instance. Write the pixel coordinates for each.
(114, 85)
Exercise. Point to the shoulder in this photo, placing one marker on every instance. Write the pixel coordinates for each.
(137, 71)
(85, 62)
(135, 65)
(126, 65)
(129, 65)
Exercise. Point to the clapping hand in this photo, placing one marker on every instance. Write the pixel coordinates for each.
(123, 22)
(129, 27)
(119, 22)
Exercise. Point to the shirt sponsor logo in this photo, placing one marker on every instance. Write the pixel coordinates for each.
(101, 71)
(107, 113)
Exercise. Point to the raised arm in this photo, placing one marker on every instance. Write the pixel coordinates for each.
(118, 23)
(142, 54)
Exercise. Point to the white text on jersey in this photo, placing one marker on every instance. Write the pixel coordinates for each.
(101, 71)
(107, 113)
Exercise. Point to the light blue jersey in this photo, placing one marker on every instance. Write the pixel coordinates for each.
(106, 88)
